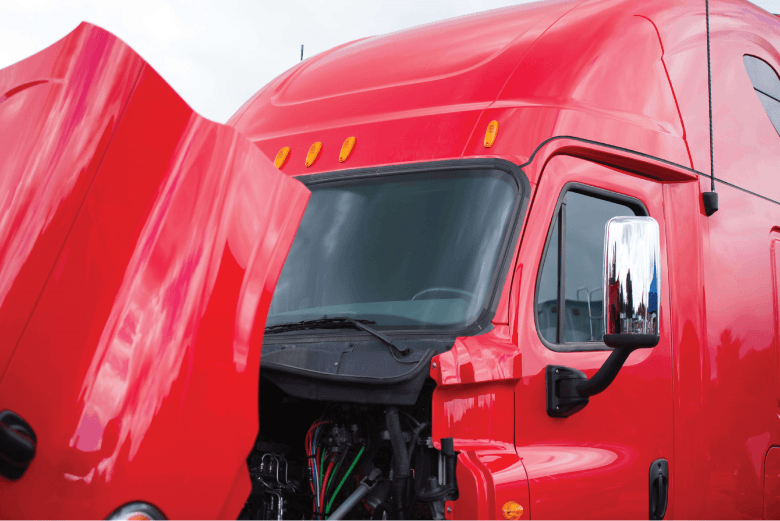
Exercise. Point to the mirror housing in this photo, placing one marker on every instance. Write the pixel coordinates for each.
(632, 276)
(632, 281)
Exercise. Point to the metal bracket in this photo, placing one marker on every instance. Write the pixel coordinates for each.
(563, 399)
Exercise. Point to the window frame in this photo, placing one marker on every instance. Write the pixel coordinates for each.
(639, 209)
(500, 275)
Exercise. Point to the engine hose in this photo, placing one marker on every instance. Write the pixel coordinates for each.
(415, 436)
(400, 460)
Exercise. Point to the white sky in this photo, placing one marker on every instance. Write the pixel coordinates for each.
(217, 53)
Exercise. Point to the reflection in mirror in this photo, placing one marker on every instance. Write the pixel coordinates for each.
(632, 253)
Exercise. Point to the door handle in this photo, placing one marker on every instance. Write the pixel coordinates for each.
(659, 488)
(17, 445)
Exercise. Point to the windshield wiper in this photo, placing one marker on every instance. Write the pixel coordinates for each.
(338, 323)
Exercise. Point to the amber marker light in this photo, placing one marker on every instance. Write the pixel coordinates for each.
(314, 151)
(346, 149)
(491, 133)
(281, 157)
(512, 509)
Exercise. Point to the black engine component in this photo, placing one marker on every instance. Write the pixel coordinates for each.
(315, 460)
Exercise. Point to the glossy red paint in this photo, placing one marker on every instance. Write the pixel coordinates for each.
(607, 93)
(152, 240)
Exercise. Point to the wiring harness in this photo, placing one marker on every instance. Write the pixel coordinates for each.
(324, 465)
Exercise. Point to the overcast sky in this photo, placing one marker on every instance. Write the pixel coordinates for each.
(216, 54)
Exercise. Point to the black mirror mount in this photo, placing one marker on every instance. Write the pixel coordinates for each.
(569, 390)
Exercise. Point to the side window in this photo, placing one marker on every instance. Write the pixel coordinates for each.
(767, 87)
(569, 289)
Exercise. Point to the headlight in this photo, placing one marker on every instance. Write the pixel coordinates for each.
(137, 510)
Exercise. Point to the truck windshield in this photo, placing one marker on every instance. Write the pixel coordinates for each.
(409, 251)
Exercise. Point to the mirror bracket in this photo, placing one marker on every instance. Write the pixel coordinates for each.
(563, 399)
(568, 390)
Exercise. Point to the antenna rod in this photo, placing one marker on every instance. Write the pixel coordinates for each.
(709, 92)
(707, 51)
(710, 199)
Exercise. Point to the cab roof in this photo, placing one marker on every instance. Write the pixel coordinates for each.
(539, 69)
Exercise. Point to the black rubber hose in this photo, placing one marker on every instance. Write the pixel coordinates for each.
(411, 448)
(400, 460)
(415, 436)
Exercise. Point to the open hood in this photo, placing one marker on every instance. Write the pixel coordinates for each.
(140, 245)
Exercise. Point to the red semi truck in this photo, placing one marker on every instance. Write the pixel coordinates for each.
(475, 255)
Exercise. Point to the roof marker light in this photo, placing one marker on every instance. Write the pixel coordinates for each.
(491, 133)
(314, 151)
(281, 157)
(346, 149)
(512, 510)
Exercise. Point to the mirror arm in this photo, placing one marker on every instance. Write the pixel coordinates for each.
(606, 373)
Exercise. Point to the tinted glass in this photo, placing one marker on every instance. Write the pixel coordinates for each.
(404, 251)
(547, 291)
(584, 219)
(767, 86)
(762, 76)
(772, 108)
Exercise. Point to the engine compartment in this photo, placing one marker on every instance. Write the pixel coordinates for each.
(335, 460)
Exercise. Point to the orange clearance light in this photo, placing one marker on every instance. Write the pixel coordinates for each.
(346, 149)
(491, 133)
(512, 509)
(281, 157)
(314, 151)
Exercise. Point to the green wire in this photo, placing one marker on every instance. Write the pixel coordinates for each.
(332, 475)
(346, 475)
(322, 469)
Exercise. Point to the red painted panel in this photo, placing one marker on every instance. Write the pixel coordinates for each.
(152, 316)
(58, 111)
(775, 253)
(595, 463)
(474, 404)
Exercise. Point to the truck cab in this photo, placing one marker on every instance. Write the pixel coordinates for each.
(400, 353)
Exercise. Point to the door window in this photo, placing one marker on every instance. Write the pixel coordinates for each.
(767, 87)
(569, 291)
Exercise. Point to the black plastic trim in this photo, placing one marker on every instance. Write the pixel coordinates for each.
(631, 340)
(562, 398)
(599, 193)
(314, 385)
(501, 269)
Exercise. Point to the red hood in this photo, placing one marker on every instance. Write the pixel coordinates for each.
(140, 245)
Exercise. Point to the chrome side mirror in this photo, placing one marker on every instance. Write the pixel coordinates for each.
(632, 279)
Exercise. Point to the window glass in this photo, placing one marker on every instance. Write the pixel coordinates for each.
(583, 219)
(767, 87)
(586, 221)
(547, 292)
(762, 76)
(403, 251)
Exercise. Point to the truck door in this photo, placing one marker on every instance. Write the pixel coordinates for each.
(612, 459)
(140, 245)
